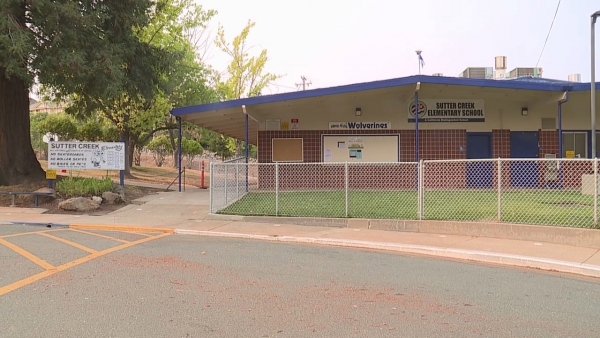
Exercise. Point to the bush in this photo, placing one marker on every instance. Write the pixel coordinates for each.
(190, 149)
(160, 147)
(83, 186)
(60, 124)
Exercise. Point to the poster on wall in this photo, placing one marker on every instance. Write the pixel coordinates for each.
(273, 124)
(285, 125)
(467, 110)
(328, 155)
(294, 123)
(355, 153)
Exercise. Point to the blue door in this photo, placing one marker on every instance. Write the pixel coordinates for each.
(479, 174)
(524, 144)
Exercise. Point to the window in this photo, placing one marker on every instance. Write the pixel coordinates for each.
(574, 144)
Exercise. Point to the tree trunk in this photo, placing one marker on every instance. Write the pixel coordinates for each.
(18, 163)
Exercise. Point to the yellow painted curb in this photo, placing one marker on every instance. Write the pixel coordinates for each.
(120, 228)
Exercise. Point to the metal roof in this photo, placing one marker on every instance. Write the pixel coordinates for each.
(525, 83)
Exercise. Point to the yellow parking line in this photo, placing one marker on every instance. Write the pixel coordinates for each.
(30, 232)
(27, 255)
(66, 241)
(101, 236)
(26, 281)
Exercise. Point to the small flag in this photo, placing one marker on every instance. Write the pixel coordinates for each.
(421, 60)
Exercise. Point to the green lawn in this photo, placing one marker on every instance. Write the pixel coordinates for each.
(548, 207)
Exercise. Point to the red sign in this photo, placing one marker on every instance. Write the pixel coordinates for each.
(294, 120)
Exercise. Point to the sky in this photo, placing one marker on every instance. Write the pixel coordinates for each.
(336, 42)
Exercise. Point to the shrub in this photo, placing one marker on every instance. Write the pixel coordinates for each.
(160, 147)
(190, 149)
(83, 186)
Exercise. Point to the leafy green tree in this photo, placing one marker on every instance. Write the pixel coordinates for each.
(246, 75)
(87, 51)
(190, 149)
(160, 148)
(180, 78)
(37, 136)
(91, 130)
(220, 145)
(61, 125)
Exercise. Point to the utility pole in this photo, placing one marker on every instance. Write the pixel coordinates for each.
(305, 82)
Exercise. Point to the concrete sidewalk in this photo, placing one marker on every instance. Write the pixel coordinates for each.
(187, 214)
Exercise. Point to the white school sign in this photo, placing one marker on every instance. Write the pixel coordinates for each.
(467, 110)
(86, 155)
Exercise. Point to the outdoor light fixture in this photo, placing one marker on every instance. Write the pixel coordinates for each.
(358, 112)
(524, 111)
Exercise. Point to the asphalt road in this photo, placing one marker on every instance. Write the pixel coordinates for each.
(191, 286)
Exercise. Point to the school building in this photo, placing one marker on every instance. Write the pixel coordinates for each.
(414, 118)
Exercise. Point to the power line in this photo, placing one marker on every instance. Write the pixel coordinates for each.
(547, 36)
(282, 86)
(305, 82)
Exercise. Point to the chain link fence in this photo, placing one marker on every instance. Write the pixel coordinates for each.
(529, 191)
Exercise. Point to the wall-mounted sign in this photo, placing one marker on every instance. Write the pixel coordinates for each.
(360, 125)
(86, 155)
(447, 111)
(273, 124)
(294, 123)
(285, 125)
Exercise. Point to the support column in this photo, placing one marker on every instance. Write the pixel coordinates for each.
(179, 143)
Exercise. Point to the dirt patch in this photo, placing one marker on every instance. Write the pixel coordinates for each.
(51, 204)
(137, 261)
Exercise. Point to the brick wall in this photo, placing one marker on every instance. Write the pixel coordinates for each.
(433, 145)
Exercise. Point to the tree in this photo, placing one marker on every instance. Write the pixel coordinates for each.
(37, 136)
(220, 146)
(190, 149)
(87, 48)
(138, 117)
(246, 75)
(160, 148)
(61, 125)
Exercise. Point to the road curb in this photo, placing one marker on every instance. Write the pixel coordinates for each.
(120, 228)
(585, 237)
(470, 255)
(44, 224)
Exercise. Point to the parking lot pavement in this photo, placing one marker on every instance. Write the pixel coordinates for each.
(30, 253)
(194, 286)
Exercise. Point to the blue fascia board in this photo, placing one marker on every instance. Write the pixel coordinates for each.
(516, 84)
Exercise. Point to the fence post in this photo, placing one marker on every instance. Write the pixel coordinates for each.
(595, 192)
(210, 187)
(276, 188)
(499, 186)
(237, 180)
(226, 179)
(347, 181)
(420, 189)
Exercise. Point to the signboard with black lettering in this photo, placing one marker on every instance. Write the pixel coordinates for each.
(86, 155)
(467, 110)
(349, 125)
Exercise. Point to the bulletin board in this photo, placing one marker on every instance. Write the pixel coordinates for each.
(288, 150)
(360, 148)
